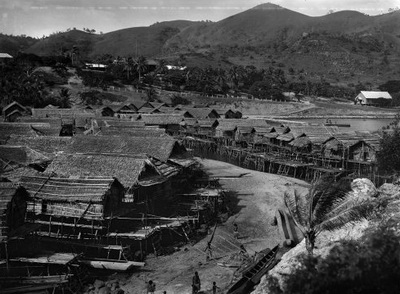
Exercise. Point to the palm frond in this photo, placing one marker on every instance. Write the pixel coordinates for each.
(348, 214)
(326, 195)
(297, 207)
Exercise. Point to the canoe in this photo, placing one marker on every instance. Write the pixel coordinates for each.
(284, 227)
(253, 273)
(113, 265)
(337, 125)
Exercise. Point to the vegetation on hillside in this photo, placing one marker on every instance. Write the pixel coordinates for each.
(23, 82)
(368, 265)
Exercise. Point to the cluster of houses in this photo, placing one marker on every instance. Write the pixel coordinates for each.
(110, 182)
(113, 189)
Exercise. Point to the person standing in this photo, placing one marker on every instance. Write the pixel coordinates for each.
(235, 231)
(215, 288)
(196, 285)
(151, 287)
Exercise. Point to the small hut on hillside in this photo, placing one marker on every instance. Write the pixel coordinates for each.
(13, 111)
(13, 203)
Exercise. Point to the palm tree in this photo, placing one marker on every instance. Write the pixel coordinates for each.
(327, 206)
(128, 67)
(140, 65)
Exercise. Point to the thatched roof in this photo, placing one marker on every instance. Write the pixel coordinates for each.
(202, 112)
(53, 122)
(117, 123)
(61, 112)
(14, 104)
(148, 110)
(126, 168)
(158, 104)
(137, 104)
(166, 169)
(161, 119)
(133, 132)
(349, 139)
(208, 123)
(22, 155)
(300, 142)
(244, 129)
(44, 144)
(323, 132)
(158, 147)
(190, 121)
(67, 189)
(226, 122)
(287, 137)
(9, 129)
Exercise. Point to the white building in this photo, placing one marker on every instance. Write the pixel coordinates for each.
(373, 98)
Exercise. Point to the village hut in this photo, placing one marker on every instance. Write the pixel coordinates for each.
(13, 111)
(128, 169)
(73, 207)
(244, 135)
(13, 204)
(107, 110)
(230, 114)
(202, 113)
(190, 125)
(225, 132)
(206, 127)
(171, 123)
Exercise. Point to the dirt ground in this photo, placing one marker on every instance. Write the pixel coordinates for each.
(253, 201)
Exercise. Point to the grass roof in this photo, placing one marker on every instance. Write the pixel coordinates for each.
(9, 129)
(67, 189)
(158, 147)
(127, 169)
(134, 132)
(45, 144)
(21, 154)
(161, 119)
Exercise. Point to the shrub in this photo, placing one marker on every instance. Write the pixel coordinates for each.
(370, 265)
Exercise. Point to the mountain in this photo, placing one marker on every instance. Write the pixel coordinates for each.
(147, 41)
(14, 44)
(345, 45)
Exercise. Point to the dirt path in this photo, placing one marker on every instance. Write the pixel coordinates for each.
(255, 198)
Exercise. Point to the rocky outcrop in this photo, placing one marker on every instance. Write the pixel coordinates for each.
(362, 189)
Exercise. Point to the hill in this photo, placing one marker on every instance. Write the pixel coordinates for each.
(343, 46)
(14, 44)
(146, 41)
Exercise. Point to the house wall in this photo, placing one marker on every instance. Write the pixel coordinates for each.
(362, 152)
(13, 214)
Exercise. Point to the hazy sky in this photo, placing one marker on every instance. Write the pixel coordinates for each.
(42, 17)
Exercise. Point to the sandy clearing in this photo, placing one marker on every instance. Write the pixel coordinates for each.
(256, 197)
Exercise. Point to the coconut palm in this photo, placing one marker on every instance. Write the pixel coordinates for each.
(327, 206)
(141, 66)
(129, 67)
